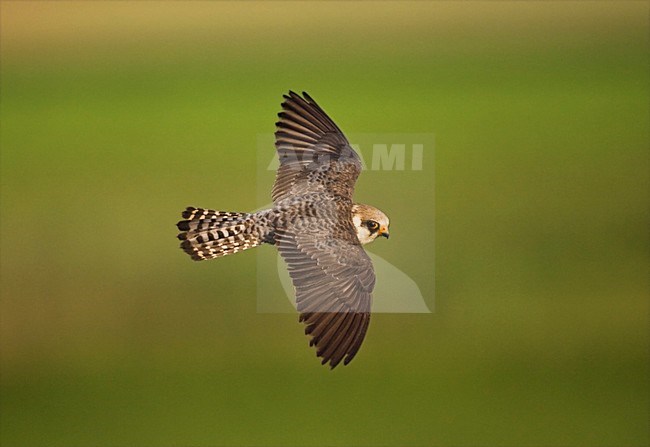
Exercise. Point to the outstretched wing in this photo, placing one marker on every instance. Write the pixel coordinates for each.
(333, 278)
(314, 154)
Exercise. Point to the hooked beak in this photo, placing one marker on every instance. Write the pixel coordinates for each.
(383, 231)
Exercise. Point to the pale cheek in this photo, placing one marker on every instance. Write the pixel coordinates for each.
(364, 235)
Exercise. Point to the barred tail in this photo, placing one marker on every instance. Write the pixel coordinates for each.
(207, 234)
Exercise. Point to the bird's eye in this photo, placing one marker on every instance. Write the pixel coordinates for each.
(372, 225)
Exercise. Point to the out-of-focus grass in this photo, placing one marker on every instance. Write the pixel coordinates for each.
(117, 115)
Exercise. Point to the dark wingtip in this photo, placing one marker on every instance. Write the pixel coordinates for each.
(183, 225)
(291, 95)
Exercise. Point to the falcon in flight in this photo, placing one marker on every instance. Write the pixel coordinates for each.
(315, 225)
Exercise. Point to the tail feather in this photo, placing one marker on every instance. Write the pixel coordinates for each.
(208, 234)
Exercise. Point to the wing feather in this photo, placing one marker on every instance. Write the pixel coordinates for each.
(333, 278)
(314, 154)
(331, 273)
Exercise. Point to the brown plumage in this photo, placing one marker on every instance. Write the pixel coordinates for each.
(315, 225)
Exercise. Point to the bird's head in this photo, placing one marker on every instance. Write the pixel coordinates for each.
(369, 222)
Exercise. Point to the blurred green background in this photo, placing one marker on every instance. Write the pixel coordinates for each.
(117, 115)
